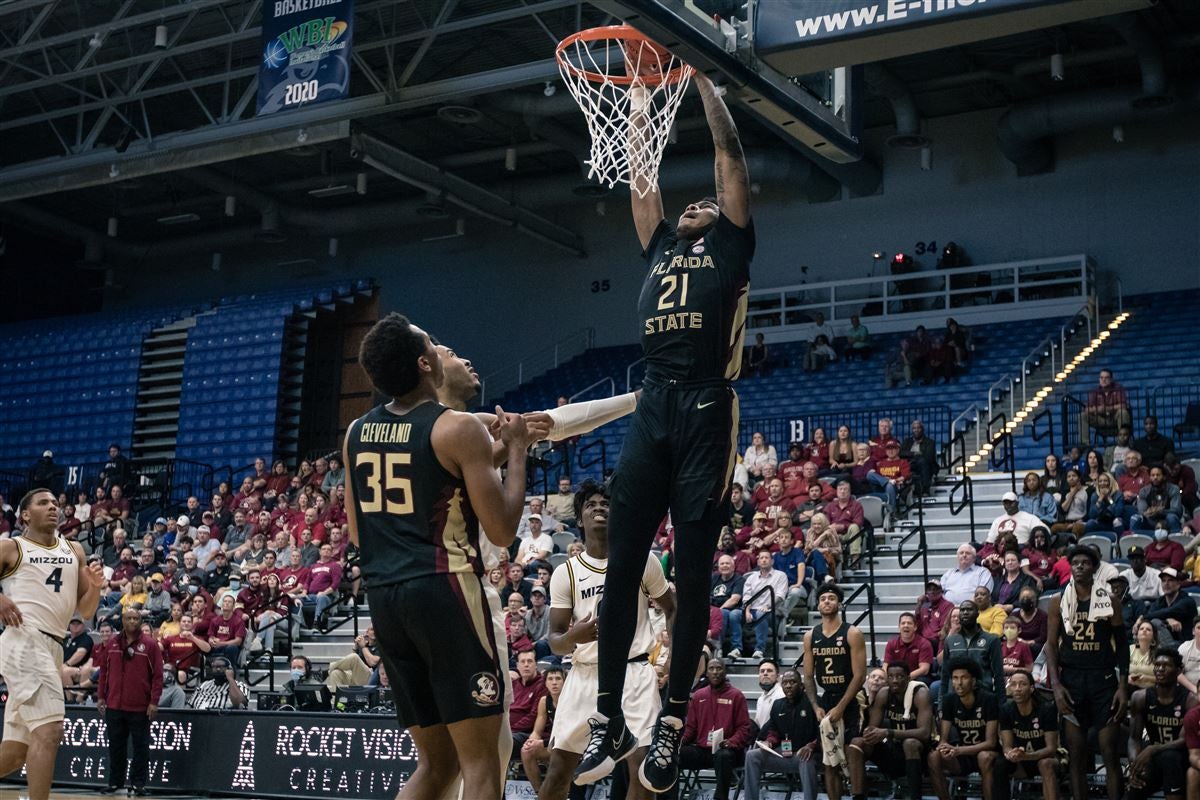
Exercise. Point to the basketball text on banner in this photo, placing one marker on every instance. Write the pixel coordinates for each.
(306, 47)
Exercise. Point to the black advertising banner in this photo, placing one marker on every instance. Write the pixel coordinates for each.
(256, 754)
(306, 48)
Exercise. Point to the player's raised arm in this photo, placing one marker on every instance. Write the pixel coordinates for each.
(643, 191)
(732, 176)
(464, 440)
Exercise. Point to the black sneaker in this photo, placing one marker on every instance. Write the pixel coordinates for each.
(660, 769)
(112, 789)
(608, 743)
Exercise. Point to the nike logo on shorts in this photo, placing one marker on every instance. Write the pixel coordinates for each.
(705, 405)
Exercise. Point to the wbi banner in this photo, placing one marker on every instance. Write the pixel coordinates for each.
(306, 46)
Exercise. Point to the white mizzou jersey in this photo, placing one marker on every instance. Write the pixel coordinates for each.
(44, 584)
(579, 585)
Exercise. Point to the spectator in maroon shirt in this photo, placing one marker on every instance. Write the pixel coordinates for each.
(227, 630)
(201, 610)
(1135, 477)
(320, 468)
(1014, 654)
(127, 694)
(809, 478)
(792, 470)
(243, 495)
(802, 517)
(909, 648)
(222, 515)
(760, 493)
(1107, 407)
(1031, 620)
(184, 650)
(775, 500)
(719, 706)
(527, 688)
(727, 546)
(845, 513)
(878, 442)
(1162, 552)
(933, 610)
(1184, 477)
(324, 579)
(122, 574)
(817, 451)
(313, 523)
(252, 596)
(277, 482)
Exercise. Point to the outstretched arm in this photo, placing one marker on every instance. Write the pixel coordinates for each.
(643, 190)
(733, 179)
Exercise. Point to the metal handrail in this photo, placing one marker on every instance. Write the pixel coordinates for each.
(1002, 443)
(876, 291)
(1044, 349)
(629, 374)
(1048, 414)
(775, 639)
(968, 501)
(492, 384)
(1064, 333)
(269, 655)
(969, 416)
(612, 389)
(868, 552)
(922, 551)
(602, 459)
(991, 394)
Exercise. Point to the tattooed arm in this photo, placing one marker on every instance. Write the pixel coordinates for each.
(733, 179)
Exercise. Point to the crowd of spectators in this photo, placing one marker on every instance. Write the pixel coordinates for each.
(217, 583)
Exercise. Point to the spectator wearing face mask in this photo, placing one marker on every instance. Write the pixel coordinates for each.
(221, 691)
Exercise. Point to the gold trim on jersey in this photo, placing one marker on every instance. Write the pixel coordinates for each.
(571, 575)
(472, 593)
(20, 558)
(55, 546)
(459, 551)
(737, 335)
(735, 414)
(597, 570)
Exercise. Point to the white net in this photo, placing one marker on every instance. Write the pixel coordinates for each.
(629, 89)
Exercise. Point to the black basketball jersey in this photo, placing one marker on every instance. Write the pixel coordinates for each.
(693, 302)
(893, 710)
(414, 518)
(1029, 731)
(1090, 644)
(971, 723)
(1164, 721)
(831, 663)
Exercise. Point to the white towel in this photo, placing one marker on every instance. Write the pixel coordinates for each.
(833, 754)
(1100, 604)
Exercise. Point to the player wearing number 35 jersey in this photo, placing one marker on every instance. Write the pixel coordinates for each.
(44, 581)
(421, 484)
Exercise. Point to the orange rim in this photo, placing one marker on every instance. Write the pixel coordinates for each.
(625, 33)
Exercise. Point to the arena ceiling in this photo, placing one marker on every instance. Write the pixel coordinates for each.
(98, 123)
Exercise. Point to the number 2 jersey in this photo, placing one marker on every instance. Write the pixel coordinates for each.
(44, 584)
(414, 518)
(693, 302)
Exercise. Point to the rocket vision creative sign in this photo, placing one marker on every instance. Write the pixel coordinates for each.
(306, 47)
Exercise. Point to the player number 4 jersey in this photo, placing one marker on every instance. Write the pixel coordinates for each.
(579, 585)
(44, 584)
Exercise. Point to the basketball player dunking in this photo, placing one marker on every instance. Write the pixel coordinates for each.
(45, 582)
(422, 481)
(576, 589)
(459, 387)
(680, 449)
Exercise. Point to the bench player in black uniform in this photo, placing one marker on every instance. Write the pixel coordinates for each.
(835, 658)
(1028, 738)
(970, 717)
(421, 483)
(1157, 714)
(1082, 662)
(896, 736)
(681, 447)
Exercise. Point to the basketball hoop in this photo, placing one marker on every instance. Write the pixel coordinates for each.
(629, 90)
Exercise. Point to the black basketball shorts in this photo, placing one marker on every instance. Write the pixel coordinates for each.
(681, 447)
(436, 638)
